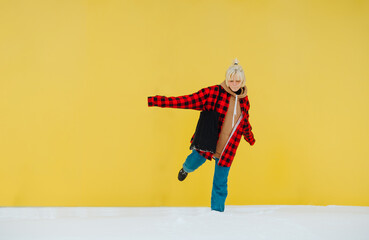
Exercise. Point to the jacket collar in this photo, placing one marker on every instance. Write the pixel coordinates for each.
(228, 90)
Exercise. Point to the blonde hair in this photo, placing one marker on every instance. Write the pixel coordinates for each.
(235, 70)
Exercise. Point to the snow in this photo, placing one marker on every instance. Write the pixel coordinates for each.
(287, 222)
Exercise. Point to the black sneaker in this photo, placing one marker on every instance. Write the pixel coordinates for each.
(182, 175)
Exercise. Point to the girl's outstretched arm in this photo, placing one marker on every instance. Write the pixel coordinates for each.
(195, 101)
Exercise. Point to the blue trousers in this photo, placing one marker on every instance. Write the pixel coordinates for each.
(220, 188)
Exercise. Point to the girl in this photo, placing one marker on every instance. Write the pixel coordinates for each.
(233, 106)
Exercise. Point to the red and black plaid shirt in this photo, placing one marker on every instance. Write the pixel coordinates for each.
(205, 99)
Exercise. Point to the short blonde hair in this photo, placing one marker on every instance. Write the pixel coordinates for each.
(235, 70)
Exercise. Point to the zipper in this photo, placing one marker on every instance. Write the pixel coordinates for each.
(234, 111)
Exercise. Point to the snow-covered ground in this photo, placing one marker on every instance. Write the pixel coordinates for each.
(284, 222)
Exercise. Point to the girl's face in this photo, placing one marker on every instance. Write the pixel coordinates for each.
(234, 83)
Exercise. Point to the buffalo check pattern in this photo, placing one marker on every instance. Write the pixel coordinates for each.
(205, 99)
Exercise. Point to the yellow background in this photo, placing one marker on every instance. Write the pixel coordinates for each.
(75, 75)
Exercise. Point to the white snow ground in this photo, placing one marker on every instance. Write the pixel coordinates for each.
(277, 222)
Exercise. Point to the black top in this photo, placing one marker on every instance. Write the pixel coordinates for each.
(238, 92)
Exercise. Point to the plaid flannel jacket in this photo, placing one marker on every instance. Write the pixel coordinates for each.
(205, 99)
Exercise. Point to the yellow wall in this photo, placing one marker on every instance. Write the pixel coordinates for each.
(75, 75)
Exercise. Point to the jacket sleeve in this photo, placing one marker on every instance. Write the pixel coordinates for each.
(247, 133)
(195, 101)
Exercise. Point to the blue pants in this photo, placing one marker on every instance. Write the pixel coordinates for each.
(219, 192)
